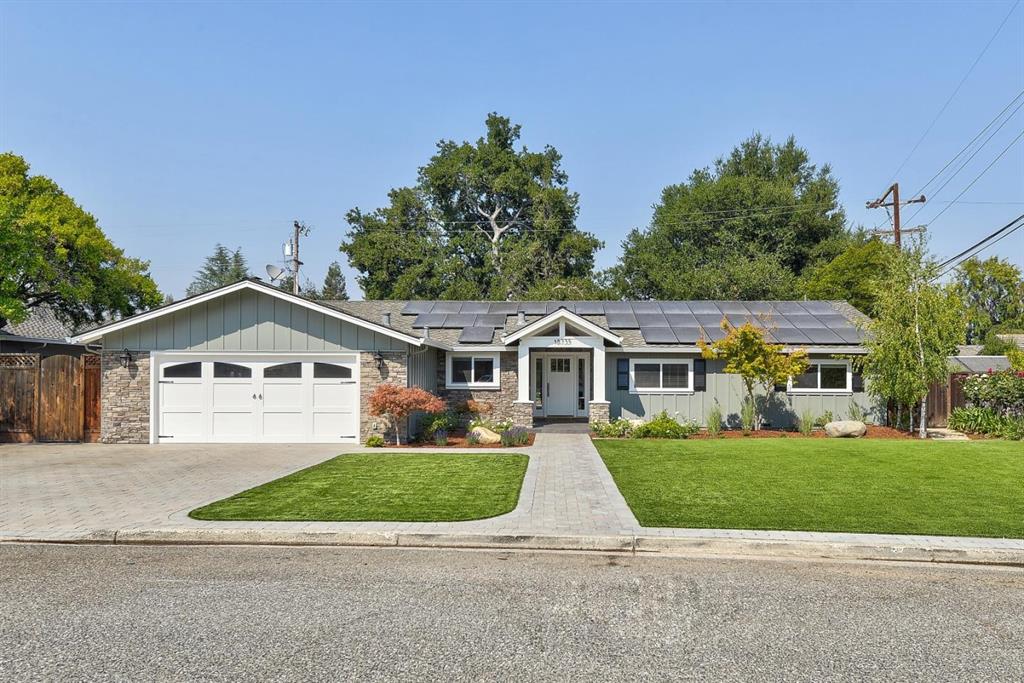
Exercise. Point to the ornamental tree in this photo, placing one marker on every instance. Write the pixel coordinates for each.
(396, 403)
(758, 363)
(916, 327)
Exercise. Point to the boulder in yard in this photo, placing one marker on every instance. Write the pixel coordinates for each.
(846, 428)
(485, 435)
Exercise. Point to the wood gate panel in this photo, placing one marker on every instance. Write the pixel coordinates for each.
(18, 387)
(60, 399)
(91, 399)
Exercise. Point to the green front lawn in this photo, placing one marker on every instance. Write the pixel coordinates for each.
(904, 487)
(383, 487)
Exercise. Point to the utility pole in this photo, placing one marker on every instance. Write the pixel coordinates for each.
(894, 190)
(303, 230)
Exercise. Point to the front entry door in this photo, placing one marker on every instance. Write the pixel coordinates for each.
(561, 385)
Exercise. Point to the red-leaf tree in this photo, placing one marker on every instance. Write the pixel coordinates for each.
(396, 403)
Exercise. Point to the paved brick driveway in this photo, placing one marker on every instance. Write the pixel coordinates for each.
(80, 487)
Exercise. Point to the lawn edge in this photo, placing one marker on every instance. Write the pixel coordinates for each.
(515, 503)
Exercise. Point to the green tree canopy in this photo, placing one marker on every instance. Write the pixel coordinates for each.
(993, 294)
(334, 284)
(220, 268)
(485, 220)
(916, 327)
(54, 253)
(743, 229)
(852, 275)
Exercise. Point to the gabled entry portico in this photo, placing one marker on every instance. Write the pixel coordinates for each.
(561, 367)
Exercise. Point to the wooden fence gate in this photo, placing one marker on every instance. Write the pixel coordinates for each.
(49, 398)
(944, 397)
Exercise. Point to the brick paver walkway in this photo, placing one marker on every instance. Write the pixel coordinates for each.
(78, 487)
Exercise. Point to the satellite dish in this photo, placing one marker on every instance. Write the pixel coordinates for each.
(274, 272)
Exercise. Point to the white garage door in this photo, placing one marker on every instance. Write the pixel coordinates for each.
(232, 398)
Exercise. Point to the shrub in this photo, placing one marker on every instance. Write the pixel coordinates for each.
(978, 420)
(714, 421)
(472, 438)
(432, 423)
(664, 427)
(375, 441)
(396, 403)
(825, 418)
(1001, 392)
(474, 407)
(805, 423)
(747, 415)
(515, 436)
(441, 437)
(857, 413)
(618, 428)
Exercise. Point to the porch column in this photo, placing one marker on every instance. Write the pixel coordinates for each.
(599, 373)
(524, 373)
(599, 407)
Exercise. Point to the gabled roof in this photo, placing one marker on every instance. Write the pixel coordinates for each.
(558, 316)
(251, 284)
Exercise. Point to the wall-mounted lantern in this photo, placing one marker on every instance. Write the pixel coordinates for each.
(125, 358)
(378, 357)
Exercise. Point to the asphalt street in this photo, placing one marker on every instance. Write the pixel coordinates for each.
(271, 613)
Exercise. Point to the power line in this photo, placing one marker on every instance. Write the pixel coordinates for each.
(977, 177)
(975, 248)
(971, 157)
(956, 90)
(973, 140)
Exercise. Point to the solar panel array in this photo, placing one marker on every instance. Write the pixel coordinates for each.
(659, 322)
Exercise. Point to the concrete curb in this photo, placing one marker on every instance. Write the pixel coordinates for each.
(679, 546)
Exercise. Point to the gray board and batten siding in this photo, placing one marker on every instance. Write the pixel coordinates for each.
(727, 391)
(247, 320)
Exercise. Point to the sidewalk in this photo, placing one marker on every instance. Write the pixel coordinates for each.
(92, 493)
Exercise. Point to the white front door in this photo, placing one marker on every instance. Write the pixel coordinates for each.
(561, 386)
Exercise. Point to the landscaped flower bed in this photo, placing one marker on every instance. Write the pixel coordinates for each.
(659, 428)
(995, 405)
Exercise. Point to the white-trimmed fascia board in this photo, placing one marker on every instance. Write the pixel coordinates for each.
(99, 332)
(561, 314)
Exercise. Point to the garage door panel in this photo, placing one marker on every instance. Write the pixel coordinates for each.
(181, 396)
(335, 426)
(328, 396)
(278, 426)
(182, 426)
(233, 396)
(232, 425)
(283, 397)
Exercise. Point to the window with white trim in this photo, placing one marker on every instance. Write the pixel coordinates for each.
(660, 375)
(823, 377)
(472, 370)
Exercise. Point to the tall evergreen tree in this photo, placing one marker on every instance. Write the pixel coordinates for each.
(222, 267)
(334, 284)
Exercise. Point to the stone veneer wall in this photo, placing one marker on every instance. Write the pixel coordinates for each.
(396, 364)
(599, 411)
(124, 398)
(502, 399)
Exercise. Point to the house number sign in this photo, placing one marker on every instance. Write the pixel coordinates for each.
(563, 341)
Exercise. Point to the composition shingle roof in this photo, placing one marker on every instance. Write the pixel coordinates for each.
(42, 323)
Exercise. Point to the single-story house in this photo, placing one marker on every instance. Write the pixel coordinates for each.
(249, 362)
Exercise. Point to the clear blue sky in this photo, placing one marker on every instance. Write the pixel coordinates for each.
(182, 125)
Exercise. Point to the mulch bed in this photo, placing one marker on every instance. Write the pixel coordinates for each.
(459, 441)
(874, 432)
